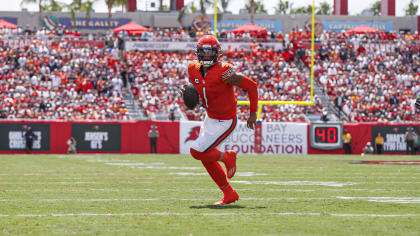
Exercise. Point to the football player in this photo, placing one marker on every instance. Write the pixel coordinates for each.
(214, 81)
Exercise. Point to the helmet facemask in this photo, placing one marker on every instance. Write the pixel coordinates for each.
(207, 55)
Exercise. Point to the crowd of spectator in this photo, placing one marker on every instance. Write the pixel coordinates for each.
(373, 77)
(369, 79)
(58, 81)
(160, 75)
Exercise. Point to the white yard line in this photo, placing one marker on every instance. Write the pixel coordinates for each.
(134, 164)
(160, 199)
(243, 174)
(384, 199)
(324, 177)
(211, 190)
(288, 183)
(70, 183)
(168, 167)
(211, 214)
(331, 184)
(403, 200)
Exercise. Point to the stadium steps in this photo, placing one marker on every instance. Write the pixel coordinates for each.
(326, 104)
(161, 115)
(133, 107)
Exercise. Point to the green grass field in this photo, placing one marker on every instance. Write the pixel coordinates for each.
(173, 195)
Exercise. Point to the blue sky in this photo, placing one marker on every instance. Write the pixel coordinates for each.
(355, 6)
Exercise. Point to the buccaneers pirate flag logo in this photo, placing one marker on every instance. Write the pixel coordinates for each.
(193, 134)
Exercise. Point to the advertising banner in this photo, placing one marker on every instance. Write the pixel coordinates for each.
(228, 25)
(188, 46)
(93, 23)
(338, 26)
(13, 20)
(24, 42)
(394, 137)
(12, 136)
(97, 137)
(92, 43)
(277, 138)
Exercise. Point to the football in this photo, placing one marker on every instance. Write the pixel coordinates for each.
(190, 96)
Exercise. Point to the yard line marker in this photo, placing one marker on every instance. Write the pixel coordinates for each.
(188, 173)
(243, 174)
(158, 199)
(121, 182)
(384, 199)
(133, 164)
(332, 184)
(125, 164)
(168, 167)
(6, 183)
(210, 214)
(211, 190)
(342, 177)
(290, 183)
(376, 215)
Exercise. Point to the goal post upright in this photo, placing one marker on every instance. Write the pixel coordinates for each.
(215, 19)
(298, 103)
(312, 51)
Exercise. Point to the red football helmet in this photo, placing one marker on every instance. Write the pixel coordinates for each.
(208, 50)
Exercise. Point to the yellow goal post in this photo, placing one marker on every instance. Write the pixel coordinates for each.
(299, 103)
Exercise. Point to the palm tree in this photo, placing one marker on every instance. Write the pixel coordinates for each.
(411, 9)
(376, 8)
(255, 7)
(252, 10)
(284, 7)
(225, 4)
(113, 3)
(160, 5)
(80, 6)
(204, 4)
(302, 10)
(123, 4)
(189, 8)
(53, 6)
(39, 2)
(324, 9)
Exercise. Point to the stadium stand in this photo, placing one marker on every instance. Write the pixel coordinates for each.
(372, 77)
(44, 80)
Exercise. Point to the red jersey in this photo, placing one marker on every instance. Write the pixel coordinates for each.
(217, 97)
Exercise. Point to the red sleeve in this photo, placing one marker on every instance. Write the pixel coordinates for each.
(190, 71)
(252, 88)
(227, 71)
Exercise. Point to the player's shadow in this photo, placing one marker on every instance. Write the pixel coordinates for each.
(218, 207)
